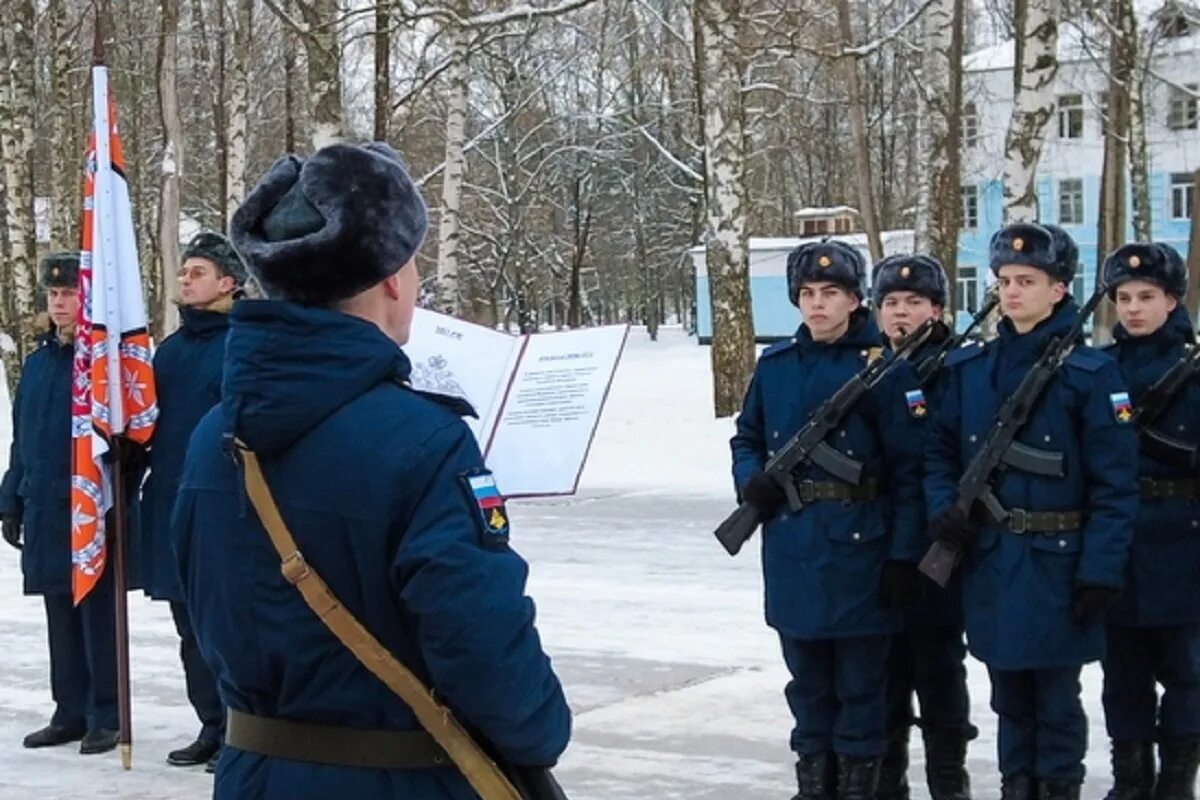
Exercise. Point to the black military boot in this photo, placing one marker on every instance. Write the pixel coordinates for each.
(812, 777)
(1018, 787)
(1133, 771)
(100, 740)
(946, 763)
(1179, 760)
(52, 736)
(893, 774)
(1058, 790)
(857, 778)
(198, 752)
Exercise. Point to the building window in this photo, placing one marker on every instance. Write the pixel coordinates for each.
(1182, 115)
(1070, 116)
(1182, 195)
(970, 206)
(1102, 112)
(970, 124)
(966, 284)
(816, 227)
(1079, 284)
(1070, 202)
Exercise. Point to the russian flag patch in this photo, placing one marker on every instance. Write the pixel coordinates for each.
(916, 403)
(1122, 406)
(488, 501)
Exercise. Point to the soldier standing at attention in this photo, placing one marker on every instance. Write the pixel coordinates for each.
(927, 657)
(187, 374)
(386, 496)
(838, 570)
(1038, 580)
(1154, 629)
(35, 506)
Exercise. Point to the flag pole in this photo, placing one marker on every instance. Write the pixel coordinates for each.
(116, 534)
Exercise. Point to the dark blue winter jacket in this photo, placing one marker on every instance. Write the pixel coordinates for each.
(375, 483)
(187, 378)
(37, 485)
(822, 566)
(1018, 587)
(1162, 586)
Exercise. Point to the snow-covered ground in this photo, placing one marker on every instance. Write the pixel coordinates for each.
(658, 635)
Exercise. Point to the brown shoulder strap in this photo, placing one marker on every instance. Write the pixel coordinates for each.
(480, 771)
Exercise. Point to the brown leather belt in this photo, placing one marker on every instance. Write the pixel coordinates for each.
(811, 491)
(1022, 521)
(1153, 489)
(332, 744)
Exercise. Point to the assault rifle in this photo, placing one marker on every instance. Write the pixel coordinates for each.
(930, 366)
(809, 445)
(1001, 449)
(1155, 403)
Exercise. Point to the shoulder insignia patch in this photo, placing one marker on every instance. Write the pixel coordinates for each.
(915, 400)
(1122, 407)
(779, 347)
(488, 502)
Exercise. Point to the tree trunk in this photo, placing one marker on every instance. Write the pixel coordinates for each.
(1194, 248)
(858, 127)
(452, 176)
(941, 79)
(322, 46)
(726, 250)
(238, 125)
(18, 170)
(1113, 221)
(166, 316)
(65, 178)
(1139, 170)
(212, 70)
(1033, 106)
(383, 70)
(289, 90)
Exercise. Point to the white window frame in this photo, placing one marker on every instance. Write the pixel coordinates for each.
(970, 125)
(1183, 110)
(1075, 194)
(969, 192)
(966, 285)
(1070, 116)
(1182, 194)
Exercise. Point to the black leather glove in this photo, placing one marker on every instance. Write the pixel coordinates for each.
(953, 529)
(764, 493)
(1091, 602)
(900, 585)
(10, 526)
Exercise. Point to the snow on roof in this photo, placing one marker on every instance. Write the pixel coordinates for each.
(831, 211)
(892, 240)
(1075, 36)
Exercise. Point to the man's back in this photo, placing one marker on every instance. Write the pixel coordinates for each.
(371, 478)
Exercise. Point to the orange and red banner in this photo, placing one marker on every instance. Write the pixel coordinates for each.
(113, 390)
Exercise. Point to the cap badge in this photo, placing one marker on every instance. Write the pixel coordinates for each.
(905, 272)
(1135, 262)
(54, 271)
(824, 261)
(1018, 244)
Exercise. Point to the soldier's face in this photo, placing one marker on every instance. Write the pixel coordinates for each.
(826, 308)
(1027, 295)
(901, 312)
(63, 306)
(202, 283)
(1143, 307)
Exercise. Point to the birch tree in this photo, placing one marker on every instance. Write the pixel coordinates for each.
(164, 315)
(238, 123)
(726, 246)
(867, 204)
(941, 81)
(65, 168)
(1034, 70)
(18, 127)
(452, 174)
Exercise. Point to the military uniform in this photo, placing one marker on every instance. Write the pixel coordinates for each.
(187, 374)
(927, 657)
(1034, 586)
(35, 497)
(1154, 629)
(385, 492)
(825, 566)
